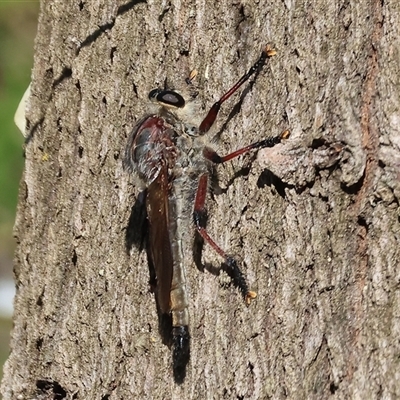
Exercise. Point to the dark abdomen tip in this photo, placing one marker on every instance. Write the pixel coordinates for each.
(180, 351)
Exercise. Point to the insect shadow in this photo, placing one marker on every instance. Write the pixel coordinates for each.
(136, 231)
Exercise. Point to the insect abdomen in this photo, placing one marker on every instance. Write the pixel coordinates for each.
(180, 228)
(180, 351)
(177, 229)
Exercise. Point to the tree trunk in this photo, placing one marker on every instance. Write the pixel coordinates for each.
(318, 235)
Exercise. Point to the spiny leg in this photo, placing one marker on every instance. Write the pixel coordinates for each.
(212, 114)
(213, 156)
(199, 215)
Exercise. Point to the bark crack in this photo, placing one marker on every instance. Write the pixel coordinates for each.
(370, 142)
(370, 134)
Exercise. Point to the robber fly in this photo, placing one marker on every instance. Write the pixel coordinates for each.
(171, 157)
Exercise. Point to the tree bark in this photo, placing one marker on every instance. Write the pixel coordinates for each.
(315, 221)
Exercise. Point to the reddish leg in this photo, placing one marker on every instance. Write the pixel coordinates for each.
(213, 156)
(212, 114)
(199, 215)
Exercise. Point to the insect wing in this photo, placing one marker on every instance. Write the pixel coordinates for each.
(159, 237)
(129, 159)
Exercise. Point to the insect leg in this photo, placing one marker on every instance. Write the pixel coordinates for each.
(213, 156)
(199, 215)
(212, 114)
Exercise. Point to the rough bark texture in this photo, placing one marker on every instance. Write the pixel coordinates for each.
(319, 237)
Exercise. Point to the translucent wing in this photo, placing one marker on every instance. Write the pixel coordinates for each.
(159, 238)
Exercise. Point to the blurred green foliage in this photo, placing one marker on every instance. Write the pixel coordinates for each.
(5, 328)
(18, 22)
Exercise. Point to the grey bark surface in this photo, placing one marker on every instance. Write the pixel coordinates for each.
(318, 236)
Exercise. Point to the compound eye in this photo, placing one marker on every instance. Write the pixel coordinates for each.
(167, 97)
(154, 93)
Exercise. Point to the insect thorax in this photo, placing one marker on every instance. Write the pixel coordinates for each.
(164, 140)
